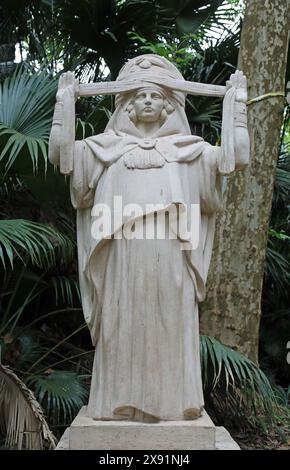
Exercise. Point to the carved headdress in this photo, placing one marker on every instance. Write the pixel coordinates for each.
(150, 71)
(154, 71)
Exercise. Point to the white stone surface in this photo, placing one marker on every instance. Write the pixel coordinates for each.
(63, 443)
(89, 434)
(140, 296)
(223, 441)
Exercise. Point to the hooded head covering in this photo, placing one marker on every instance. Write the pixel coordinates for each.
(145, 69)
(149, 67)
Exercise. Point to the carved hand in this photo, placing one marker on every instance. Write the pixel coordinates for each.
(67, 84)
(239, 81)
(241, 135)
(62, 133)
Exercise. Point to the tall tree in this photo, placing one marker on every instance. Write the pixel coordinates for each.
(233, 307)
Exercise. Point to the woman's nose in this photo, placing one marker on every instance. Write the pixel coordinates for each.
(148, 99)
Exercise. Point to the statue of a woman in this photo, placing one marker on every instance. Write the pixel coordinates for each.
(140, 295)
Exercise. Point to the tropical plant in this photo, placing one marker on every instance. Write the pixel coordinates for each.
(34, 295)
(41, 325)
(60, 392)
(36, 242)
(239, 396)
(234, 386)
(21, 417)
(37, 254)
(275, 322)
(38, 355)
(85, 34)
(25, 118)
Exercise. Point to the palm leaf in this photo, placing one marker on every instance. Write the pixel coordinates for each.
(65, 289)
(191, 16)
(277, 267)
(37, 242)
(222, 364)
(21, 417)
(282, 177)
(26, 108)
(282, 184)
(60, 392)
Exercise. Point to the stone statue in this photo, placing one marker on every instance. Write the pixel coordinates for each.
(140, 294)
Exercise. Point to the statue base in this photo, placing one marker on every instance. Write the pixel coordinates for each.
(88, 434)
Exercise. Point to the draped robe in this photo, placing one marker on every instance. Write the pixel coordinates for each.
(140, 297)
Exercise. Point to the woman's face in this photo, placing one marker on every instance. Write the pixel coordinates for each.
(148, 105)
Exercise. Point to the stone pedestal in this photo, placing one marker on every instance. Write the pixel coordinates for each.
(88, 434)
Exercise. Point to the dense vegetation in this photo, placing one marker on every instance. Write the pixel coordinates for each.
(43, 338)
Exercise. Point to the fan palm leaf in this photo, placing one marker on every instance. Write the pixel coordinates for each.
(223, 365)
(26, 108)
(21, 417)
(61, 392)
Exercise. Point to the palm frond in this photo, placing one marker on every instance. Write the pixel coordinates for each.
(37, 242)
(237, 392)
(10, 185)
(282, 185)
(26, 107)
(21, 417)
(83, 129)
(221, 363)
(277, 267)
(202, 18)
(61, 392)
(65, 290)
(98, 114)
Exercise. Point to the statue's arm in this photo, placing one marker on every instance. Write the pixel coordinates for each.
(54, 138)
(62, 135)
(241, 135)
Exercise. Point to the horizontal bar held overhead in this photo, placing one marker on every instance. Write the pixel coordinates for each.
(113, 88)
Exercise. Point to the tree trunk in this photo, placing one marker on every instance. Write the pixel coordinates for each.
(232, 310)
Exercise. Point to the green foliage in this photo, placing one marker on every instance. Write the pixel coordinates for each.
(32, 241)
(229, 373)
(84, 34)
(62, 393)
(26, 109)
(65, 289)
(239, 395)
(275, 323)
(40, 304)
(277, 265)
(21, 350)
(96, 112)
